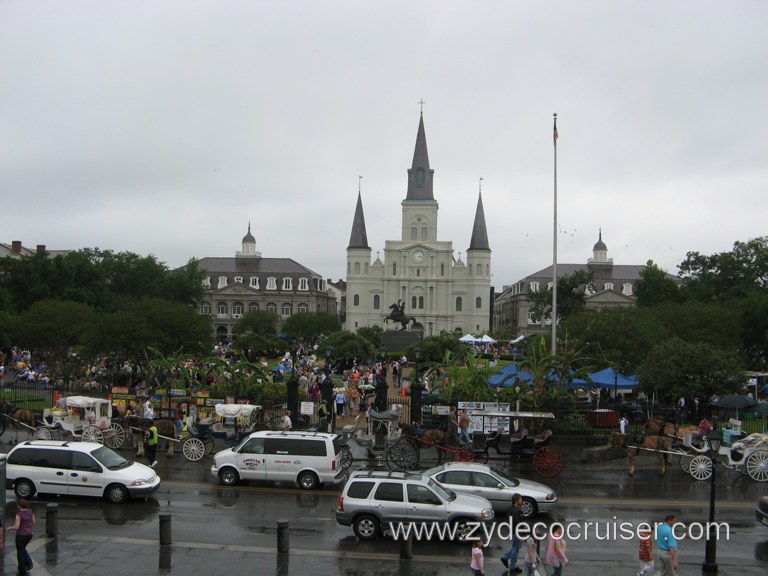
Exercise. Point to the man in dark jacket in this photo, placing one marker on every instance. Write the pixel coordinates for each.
(509, 559)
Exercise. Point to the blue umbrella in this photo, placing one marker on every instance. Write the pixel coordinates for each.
(610, 378)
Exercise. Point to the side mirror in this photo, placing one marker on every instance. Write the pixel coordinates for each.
(499, 485)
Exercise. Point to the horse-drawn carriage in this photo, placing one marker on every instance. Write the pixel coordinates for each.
(747, 456)
(89, 419)
(381, 432)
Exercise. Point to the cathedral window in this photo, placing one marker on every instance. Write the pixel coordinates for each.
(442, 269)
(272, 307)
(356, 300)
(357, 267)
(287, 309)
(222, 281)
(221, 308)
(376, 302)
(238, 308)
(287, 283)
(458, 304)
(478, 302)
(366, 267)
(253, 306)
(414, 233)
(272, 284)
(413, 302)
(394, 269)
(303, 284)
(627, 289)
(254, 282)
(302, 308)
(424, 233)
(487, 269)
(418, 272)
(205, 308)
(479, 270)
(421, 302)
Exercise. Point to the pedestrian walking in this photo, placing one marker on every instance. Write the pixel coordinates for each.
(341, 399)
(509, 559)
(151, 439)
(667, 545)
(24, 527)
(532, 559)
(556, 550)
(477, 564)
(646, 552)
(623, 425)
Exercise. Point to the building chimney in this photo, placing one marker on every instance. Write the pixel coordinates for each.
(41, 248)
(16, 246)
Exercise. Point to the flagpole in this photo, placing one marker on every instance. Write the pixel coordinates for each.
(554, 250)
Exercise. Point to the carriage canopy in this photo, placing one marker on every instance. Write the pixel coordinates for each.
(234, 410)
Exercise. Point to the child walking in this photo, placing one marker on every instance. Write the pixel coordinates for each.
(646, 552)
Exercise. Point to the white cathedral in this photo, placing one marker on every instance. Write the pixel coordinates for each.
(418, 270)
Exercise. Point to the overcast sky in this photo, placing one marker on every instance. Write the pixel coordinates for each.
(163, 127)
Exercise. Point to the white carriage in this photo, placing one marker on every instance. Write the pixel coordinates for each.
(89, 419)
(381, 432)
(747, 456)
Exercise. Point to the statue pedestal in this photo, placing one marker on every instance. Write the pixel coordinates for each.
(399, 340)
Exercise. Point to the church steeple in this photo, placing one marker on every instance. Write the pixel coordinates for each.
(359, 237)
(479, 239)
(420, 174)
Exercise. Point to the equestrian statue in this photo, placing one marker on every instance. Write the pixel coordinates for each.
(398, 314)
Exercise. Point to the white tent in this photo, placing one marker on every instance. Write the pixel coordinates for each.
(487, 339)
(468, 339)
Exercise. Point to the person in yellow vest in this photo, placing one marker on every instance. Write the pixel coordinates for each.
(150, 442)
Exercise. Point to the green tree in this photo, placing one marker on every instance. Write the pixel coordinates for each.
(676, 368)
(754, 330)
(655, 286)
(571, 291)
(259, 322)
(310, 327)
(372, 334)
(53, 328)
(348, 346)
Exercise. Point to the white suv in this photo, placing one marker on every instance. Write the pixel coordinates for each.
(77, 469)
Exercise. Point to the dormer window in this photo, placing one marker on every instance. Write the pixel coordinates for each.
(254, 282)
(207, 282)
(222, 281)
(627, 289)
(272, 285)
(609, 286)
(287, 285)
(303, 284)
(534, 287)
(238, 279)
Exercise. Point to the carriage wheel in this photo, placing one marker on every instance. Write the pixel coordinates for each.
(3, 423)
(114, 436)
(42, 433)
(757, 465)
(208, 443)
(464, 454)
(92, 434)
(193, 449)
(701, 467)
(481, 457)
(685, 463)
(346, 457)
(402, 457)
(548, 461)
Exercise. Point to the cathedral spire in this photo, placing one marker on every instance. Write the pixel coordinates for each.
(420, 174)
(479, 239)
(359, 237)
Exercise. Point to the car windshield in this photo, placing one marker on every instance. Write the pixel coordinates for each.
(110, 459)
(240, 445)
(442, 492)
(508, 480)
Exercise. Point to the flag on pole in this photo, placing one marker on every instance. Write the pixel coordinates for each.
(554, 133)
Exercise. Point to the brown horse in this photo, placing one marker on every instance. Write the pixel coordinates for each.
(425, 438)
(645, 445)
(19, 418)
(165, 427)
(656, 426)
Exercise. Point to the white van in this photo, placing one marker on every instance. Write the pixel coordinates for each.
(308, 458)
(77, 469)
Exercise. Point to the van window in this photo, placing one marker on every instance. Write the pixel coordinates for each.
(422, 495)
(82, 461)
(389, 492)
(44, 458)
(281, 446)
(312, 448)
(253, 446)
(359, 490)
(296, 446)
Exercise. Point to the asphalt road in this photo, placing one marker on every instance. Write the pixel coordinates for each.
(203, 511)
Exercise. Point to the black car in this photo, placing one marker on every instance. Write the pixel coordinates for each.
(761, 512)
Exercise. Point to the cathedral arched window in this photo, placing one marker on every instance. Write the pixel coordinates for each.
(394, 269)
(458, 304)
(366, 267)
(442, 269)
(479, 270)
(356, 300)
(413, 302)
(357, 267)
(421, 302)
(424, 233)
(487, 269)
(478, 302)
(414, 233)
(376, 301)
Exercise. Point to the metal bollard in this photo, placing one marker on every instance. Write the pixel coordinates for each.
(165, 529)
(51, 520)
(283, 537)
(406, 547)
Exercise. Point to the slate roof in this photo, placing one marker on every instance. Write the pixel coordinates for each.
(479, 239)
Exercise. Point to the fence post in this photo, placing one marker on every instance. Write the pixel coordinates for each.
(283, 537)
(51, 520)
(165, 529)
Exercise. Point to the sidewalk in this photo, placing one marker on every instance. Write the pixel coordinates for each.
(75, 555)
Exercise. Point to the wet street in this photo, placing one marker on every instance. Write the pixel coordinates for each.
(204, 512)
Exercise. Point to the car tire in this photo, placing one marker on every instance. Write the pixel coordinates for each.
(24, 488)
(366, 527)
(308, 480)
(229, 477)
(462, 529)
(117, 493)
(529, 508)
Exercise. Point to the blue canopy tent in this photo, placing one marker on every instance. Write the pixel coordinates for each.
(511, 375)
(610, 378)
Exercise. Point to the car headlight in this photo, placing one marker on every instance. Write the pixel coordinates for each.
(486, 513)
(551, 496)
(141, 482)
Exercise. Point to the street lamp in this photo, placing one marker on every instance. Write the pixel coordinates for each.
(416, 389)
(710, 552)
(383, 353)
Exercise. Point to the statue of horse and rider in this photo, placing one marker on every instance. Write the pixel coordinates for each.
(398, 314)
